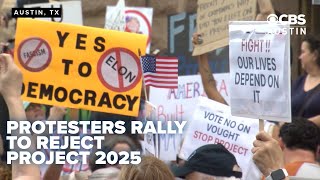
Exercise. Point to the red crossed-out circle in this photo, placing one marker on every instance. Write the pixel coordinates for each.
(34, 54)
(112, 65)
(144, 19)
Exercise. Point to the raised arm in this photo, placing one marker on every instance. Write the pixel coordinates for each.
(208, 81)
(265, 8)
(10, 88)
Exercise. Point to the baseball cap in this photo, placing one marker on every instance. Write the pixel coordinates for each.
(211, 159)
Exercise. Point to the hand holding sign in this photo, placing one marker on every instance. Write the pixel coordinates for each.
(10, 77)
(267, 154)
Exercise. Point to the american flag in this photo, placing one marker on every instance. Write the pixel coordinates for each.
(160, 72)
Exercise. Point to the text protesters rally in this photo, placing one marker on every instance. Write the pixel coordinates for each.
(67, 140)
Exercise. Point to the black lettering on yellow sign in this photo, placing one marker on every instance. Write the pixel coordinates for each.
(81, 41)
(76, 96)
(84, 68)
(123, 71)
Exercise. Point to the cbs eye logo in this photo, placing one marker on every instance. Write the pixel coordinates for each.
(272, 18)
(291, 18)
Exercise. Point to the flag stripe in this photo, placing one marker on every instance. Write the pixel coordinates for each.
(164, 82)
(167, 70)
(166, 67)
(171, 73)
(162, 86)
(167, 63)
(160, 79)
(160, 72)
(161, 76)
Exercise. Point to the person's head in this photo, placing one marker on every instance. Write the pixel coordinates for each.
(210, 162)
(110, 173)
(93, 158)
(309, 56)
(120, 143)
(116, 143)
(150, 168)
(132, 24)
(301, 134)
(34, 111)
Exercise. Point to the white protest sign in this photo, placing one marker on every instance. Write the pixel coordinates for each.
(138, 20)
(260, 70)
(212, 123)
(178, 105)
(71, 11)
(149, 144)
(115, 19)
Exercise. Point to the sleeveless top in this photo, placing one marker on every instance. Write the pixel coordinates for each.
(298, 96)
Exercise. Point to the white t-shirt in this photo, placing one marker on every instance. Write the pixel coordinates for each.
(309, 170)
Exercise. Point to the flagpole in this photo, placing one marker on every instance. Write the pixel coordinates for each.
(143, 84)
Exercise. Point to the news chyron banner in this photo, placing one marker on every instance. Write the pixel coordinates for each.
(80, 67)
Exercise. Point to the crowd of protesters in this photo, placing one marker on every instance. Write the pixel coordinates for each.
(292, 150)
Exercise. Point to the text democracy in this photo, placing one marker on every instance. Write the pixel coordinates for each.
(77, 96)
(94, 127)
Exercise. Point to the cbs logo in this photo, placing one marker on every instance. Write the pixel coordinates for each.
(291, 18)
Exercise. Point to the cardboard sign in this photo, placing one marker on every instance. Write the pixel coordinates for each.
(260, 70)
(80, 67)
(138, 20)
(212, 123)
(71, 11)
(213, 17)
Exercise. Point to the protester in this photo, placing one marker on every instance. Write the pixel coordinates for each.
(100, 116)
(267, 154)
(150, 168)
(212, 161)
(208, 81)
(102, 171)
(93, 158)
(306, 89)
(34, 111)
(10, 89)
(110, 173)
(120, 143)
(300, 140)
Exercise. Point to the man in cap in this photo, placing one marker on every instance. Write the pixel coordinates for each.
(209, 162)
(34, 111)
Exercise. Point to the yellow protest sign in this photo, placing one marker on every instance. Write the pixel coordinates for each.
(80, 67)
